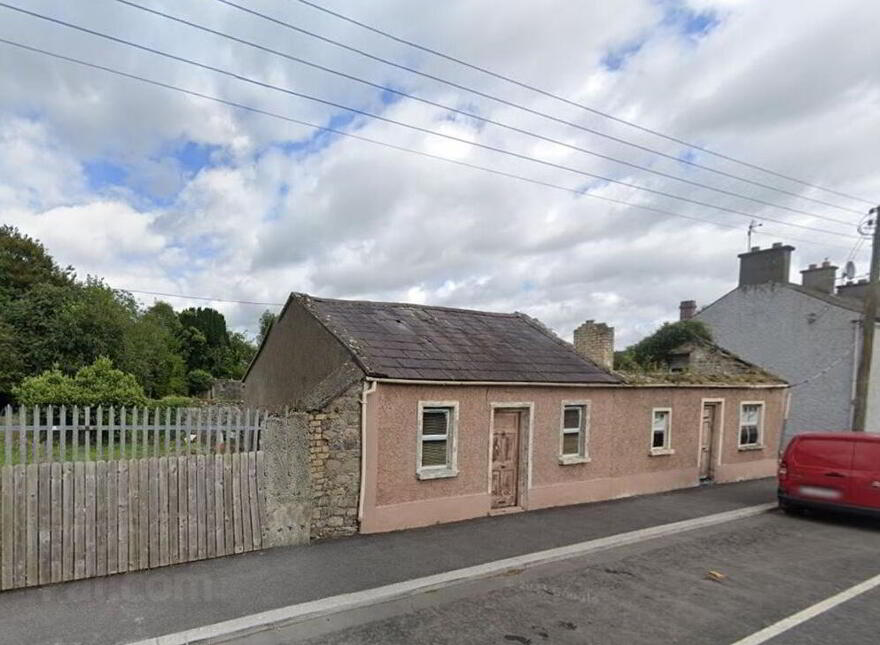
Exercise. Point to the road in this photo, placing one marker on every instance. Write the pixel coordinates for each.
(660, 591)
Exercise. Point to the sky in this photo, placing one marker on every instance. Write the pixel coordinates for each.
(160, 191)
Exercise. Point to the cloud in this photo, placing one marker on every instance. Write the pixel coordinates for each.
(162, 192)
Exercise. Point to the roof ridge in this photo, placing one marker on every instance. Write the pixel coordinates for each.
(413, 305)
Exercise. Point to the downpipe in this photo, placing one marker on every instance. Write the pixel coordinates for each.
(368, 388)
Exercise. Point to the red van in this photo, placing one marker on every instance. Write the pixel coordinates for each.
(831, 470)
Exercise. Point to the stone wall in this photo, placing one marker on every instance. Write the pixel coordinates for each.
(285, 440)
(226, 389)
(335, 465)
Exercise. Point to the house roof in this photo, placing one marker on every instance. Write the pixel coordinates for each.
(851, 304)
(407, 341)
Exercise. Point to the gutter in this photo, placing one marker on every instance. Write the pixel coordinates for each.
(368, 388)
(746, 386)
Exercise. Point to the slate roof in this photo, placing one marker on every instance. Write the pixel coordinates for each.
(407, 341)
(852, 304)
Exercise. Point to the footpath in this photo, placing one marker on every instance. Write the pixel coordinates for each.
(147, 604)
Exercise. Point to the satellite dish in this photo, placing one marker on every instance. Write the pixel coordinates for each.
(849, 272)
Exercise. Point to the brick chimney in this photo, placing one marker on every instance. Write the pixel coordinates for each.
(820, 278)
(760, 266)
(595, 341)
(687, 309)
(852, 289)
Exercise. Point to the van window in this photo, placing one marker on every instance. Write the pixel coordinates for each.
(823, 453)
(867, 456)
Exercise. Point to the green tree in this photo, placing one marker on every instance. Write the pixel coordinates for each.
(267, 319)
(25, 263)
(653, 351)
(199, 381)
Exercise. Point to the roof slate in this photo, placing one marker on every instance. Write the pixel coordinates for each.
(407, 341)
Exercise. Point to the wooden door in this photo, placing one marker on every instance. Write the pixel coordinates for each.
(505, 458)
(707, 439)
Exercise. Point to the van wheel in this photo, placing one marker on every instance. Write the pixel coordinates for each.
(790, 509)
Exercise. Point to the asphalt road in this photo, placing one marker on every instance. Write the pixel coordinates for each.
(771, 567)
(126, 608)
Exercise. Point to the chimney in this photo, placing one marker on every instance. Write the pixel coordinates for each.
(687, 309)
(595, 342)
(851, 289)
(820, 278)
(760, 266)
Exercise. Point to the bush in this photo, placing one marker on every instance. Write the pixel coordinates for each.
(199, 381)
(175, 401)
(97, 384)
(49, 388)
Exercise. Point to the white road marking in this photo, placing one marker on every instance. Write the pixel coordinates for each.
(810, 612)
(292, 614)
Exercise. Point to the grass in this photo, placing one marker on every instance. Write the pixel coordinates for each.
(129, 452)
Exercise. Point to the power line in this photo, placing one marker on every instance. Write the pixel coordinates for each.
(351, 135)
(524, 108)
(477, 117)
(208, 298)
(414, 127)
(592, 110)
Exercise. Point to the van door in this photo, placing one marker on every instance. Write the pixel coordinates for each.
(820, 469)
(866, 474)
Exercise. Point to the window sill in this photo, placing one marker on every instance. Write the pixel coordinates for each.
(436, 473)
(661, 452)
(756, 446)
(571, 460)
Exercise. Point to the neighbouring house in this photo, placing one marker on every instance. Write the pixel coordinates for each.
(421, 415)
(806, 333)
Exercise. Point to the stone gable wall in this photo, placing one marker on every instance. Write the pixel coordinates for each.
(335, 465)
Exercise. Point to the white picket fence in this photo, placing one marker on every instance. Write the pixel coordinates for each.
(88, 493)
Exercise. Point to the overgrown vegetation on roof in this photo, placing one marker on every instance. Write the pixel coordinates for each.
(652, 353)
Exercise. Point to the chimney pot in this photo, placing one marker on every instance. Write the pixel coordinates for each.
(595, 342)
(754, 248)
(777, 245)
(826, 263)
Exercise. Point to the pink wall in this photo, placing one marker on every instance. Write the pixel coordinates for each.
(620, 461)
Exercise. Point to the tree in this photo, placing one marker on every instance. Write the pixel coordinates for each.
(267, 319)
(25, 263)
(199, 381)
(653, 351)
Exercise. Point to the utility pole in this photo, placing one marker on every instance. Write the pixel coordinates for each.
(868, 322)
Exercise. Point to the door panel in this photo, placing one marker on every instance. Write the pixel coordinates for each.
(707, 439)
(505, 458)
(866, 474)
(821, 469)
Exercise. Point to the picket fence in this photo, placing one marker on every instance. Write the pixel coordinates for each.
(93, 492)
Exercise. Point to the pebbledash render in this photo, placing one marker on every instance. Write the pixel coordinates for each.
(421, 415)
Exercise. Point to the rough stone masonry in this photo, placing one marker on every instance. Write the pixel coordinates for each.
(334, 465)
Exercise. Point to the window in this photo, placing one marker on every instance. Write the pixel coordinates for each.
(575, 432)
(751, 424)
(437, 426)
(660, 426)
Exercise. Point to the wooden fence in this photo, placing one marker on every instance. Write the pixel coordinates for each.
(88, 493)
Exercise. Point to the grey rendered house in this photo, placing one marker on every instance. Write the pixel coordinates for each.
(808, 333)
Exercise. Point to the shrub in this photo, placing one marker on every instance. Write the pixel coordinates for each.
(175, 401)
(50, 387)
(199, 381)
(97, 384)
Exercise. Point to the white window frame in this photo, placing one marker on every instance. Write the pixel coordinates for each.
(759, 444)
(666, 449)
(583, 455)
(451, 467)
